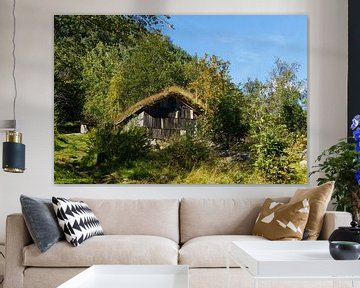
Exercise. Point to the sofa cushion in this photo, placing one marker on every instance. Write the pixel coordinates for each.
(158, 217)
(77, 220)
(200, 217)
(107, 249)
(211, 251)
(279, 221)
(41, 221)
(319, 198)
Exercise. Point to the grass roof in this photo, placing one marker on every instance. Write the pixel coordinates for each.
(182, 94)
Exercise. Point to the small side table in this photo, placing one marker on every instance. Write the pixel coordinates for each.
(284, 262)
(134, 276)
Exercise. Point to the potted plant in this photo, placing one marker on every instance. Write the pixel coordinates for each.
(341, 163)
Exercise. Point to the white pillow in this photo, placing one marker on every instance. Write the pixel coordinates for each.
(76, 220)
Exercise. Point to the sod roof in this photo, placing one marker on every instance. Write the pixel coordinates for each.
(173, 91)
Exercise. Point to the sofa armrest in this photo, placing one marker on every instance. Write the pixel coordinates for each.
(332, 220)
(17, 237)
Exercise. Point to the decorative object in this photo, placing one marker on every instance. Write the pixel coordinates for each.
(355, 194)
(41, 221)
(344, 233)
(340, 163)
(319, 198)
(344, 250)
(279, 221)
(156, 104)
(77, 220)
(13, 149)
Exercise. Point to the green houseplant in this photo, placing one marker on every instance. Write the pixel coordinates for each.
(341, 163)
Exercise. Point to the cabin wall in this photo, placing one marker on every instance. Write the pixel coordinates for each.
(169, 117)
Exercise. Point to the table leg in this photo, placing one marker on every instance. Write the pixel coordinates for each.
(228, 270)
(255, 283)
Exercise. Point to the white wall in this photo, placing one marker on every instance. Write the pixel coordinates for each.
(327, 89)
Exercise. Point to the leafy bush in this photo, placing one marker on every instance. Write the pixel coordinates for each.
(228, 122)
(278, 159)
(188, 151)
(339, 163)
(271, 159)
(116, 146)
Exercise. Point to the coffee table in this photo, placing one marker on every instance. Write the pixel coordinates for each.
(131, 276)
(293, 260)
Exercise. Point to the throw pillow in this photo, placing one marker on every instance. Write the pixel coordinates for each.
(41, 222)
(319, 198)
(279, 221)
(77, 220)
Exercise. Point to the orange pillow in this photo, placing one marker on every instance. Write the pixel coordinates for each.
(279, 221)
(319, 198)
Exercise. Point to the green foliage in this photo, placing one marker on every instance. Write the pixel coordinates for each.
(287, 96)
(75, 36)
(153, 64)
(208, 78)
(115, 147)
(188, 151)
(228, 123)
(339, 163)
(68, 92)
(70, 153)
(99, 67)
(277, 119)
(212, 173)
(271, 158)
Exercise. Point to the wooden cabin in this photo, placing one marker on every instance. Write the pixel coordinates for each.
(170, 112)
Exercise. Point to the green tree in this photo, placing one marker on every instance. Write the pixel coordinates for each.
(277, 124)
(99, 66)
(208, 78)
(287, 96)
(75, 36)
(229, 122)
(150, 66)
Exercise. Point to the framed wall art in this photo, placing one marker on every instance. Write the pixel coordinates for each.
(180, 99)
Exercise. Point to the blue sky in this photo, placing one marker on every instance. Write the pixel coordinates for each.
(249, 42)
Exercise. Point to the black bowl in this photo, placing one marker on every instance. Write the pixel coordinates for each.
(344, 250)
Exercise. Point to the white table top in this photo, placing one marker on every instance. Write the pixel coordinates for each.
(292, 259)
(131, 276)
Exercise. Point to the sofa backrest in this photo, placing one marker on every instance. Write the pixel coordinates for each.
(159, 217)
(200, 217)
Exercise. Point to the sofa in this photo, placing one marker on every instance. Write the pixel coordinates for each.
(190, 231)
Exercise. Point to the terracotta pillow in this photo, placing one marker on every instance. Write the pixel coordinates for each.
(279, 221)
(319, 198)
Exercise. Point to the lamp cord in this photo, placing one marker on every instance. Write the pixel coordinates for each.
(14, 60)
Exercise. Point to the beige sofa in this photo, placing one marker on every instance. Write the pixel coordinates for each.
(194, 232)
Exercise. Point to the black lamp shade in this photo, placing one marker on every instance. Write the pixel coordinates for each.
(13, 157)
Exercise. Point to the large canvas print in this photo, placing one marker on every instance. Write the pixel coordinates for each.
(180, 99)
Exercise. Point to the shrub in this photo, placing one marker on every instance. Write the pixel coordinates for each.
(188, 151)
(278, 160)
(228, 122)
(116, 146)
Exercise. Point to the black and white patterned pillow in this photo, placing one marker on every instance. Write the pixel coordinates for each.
(77, 220)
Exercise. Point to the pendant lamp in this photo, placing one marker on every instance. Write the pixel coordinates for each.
(13, 159)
